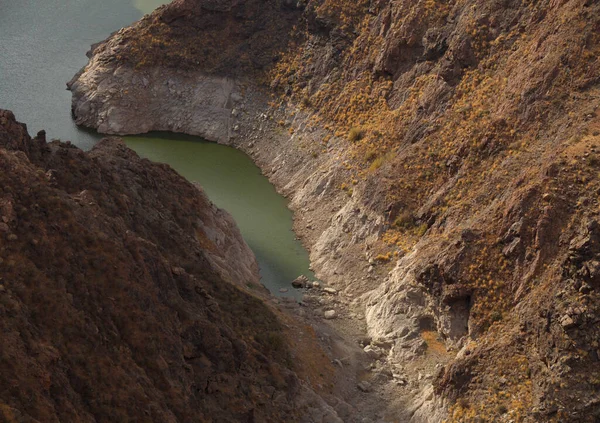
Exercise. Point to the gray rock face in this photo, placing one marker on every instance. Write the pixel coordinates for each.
(124, 100)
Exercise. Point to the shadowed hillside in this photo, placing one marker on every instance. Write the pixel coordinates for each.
(123, 295)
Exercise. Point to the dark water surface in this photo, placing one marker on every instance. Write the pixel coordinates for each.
(43, 44)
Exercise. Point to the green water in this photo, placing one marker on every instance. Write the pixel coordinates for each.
(235, 183)
(147, 6)
(43, 44)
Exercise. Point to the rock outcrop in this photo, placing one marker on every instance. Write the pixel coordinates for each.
(444, 156)
(125, 295)
(133, 84)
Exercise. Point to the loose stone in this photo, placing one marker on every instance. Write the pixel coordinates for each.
(329, 314)
(373, 352)
(365, 386)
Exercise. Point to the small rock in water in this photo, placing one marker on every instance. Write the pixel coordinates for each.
(300, 282)
(316, 284)
(329, 314)
(283, 290)
(330, 290)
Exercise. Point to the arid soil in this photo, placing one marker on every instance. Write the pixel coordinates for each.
(442, 160)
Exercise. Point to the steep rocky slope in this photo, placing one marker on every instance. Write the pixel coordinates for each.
(125, 296)
(442, 157)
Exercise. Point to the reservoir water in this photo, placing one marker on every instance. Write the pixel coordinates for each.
(43, 44)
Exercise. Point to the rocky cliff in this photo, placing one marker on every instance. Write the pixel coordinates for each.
(126, 295)
(442, 157)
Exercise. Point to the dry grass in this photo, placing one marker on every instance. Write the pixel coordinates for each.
(435, 345)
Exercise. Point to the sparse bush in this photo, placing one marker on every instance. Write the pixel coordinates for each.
(376, 164)
(593, 160)
(405, 220)
(355, 134)
(370, 154)
(422, 229)
(384, 258)
(496, 316)
(501, 409)
(348, 189)
(463, 402)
